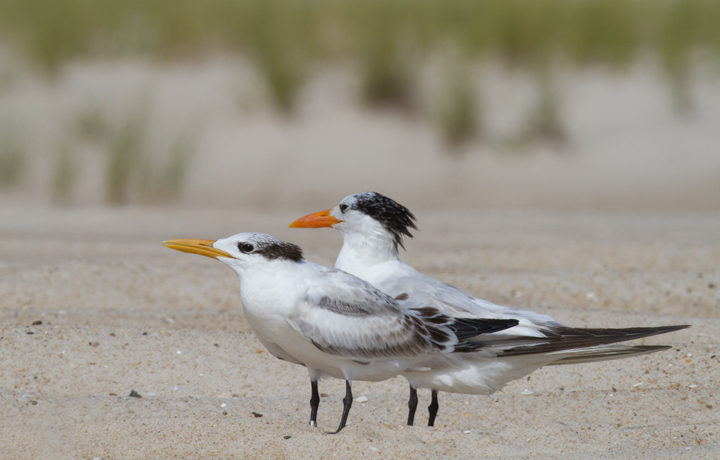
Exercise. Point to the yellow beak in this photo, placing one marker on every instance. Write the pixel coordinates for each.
(202, 247)
(316, 220)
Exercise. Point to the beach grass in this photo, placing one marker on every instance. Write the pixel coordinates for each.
(13, 157)
(285, 37)
(387, 42)
(277, 32)
(137, 168)
(65, 175)
(459, 114)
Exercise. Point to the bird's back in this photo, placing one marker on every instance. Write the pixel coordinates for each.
(399, 279)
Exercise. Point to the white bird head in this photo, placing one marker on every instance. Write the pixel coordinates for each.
(242, 250)
(367, 214)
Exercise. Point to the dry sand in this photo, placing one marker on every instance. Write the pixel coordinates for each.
(120, 312)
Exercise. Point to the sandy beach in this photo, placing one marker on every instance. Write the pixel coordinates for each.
(562, 158)
(119, 312)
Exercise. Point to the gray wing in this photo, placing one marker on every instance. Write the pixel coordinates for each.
(346, 316)
(406, 282)
(350, 318)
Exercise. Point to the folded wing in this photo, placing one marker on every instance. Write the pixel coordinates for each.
(357, 321)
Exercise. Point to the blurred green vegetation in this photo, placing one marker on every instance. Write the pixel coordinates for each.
(385, 38)
(13, 158)
(385, 41)
(284, 35)
(136, 168)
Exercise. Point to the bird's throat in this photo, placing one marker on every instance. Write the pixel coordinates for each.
(360, 252)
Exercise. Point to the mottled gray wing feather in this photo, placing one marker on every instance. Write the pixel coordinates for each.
(367, 338)
(355, 320)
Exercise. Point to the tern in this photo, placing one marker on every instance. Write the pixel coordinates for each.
(332, 322)
(373, 227)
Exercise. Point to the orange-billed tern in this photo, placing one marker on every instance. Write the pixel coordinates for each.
(373, 226)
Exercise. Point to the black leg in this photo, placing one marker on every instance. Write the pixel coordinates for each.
(433, 408)
(314, 402)
(412, 405)
(347, 403)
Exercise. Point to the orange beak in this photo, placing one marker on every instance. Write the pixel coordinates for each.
(316, 220)
(202, 247)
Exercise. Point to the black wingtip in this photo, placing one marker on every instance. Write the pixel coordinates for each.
(677, 327)
(465, 328)
(575, 338)
(610, 352)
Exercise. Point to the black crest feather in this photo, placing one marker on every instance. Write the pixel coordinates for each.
(396, 218)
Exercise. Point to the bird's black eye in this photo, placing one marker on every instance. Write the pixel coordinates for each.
(343, 207)
(245, 247)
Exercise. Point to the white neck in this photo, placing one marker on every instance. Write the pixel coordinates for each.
(364, 250)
